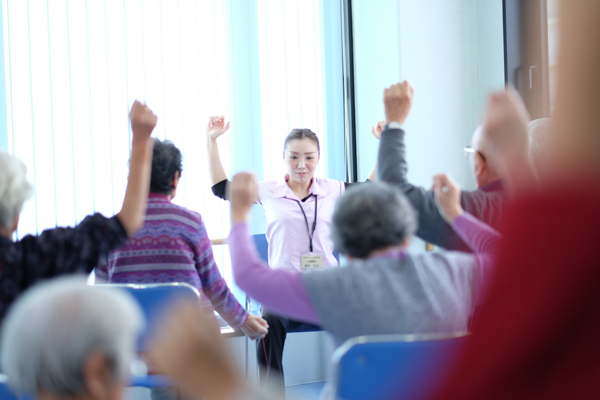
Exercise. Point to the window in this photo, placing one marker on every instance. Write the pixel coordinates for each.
(72, 69)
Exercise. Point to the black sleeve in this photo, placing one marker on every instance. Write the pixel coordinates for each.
(348, 184)
(57, 252)
(392, 168)
(220, 189)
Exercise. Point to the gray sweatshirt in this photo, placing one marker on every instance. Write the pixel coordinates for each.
(406, 293)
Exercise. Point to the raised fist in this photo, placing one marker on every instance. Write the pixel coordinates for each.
(447, 197)
(142, 120)
(397, 100)
(243, 195)
(505, 124)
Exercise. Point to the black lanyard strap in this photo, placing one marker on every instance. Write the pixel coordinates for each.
(314, 225)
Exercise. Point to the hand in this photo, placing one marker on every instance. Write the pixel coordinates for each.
(243, 194)
(505, 126)
(216, 127)
(397, 100)
(447, 197)
(143, 120)
(255, 327)
(189, 349)
(377, 129)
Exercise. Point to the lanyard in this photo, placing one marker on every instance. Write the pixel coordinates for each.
(314, 225)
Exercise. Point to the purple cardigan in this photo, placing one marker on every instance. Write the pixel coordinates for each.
(173, 246)
(283, 291)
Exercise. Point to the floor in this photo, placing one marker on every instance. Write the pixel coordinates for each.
(307, 391)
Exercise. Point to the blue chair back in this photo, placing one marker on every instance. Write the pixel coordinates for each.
(153, 298)
(6, 393)
(409, 367)
(260, 241)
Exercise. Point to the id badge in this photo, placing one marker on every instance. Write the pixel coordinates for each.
(312, 261)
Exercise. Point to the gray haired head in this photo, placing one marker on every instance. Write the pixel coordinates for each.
(369, 217)
(14, 188)
(54, 327)
(539, 131)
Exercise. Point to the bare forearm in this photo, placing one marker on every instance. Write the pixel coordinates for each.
(138, 185)
(520, 174)
(215, 167)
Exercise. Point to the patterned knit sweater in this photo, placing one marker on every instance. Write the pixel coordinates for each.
(173, 246)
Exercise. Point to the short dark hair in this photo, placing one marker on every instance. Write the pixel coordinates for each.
(369, 217)
(299, 134)
(166, 161)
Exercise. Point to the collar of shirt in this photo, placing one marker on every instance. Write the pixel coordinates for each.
(158, 196)
(496, 186)
(393, 253)
(283, 190)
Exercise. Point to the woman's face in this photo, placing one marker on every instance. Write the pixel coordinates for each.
(301, 158)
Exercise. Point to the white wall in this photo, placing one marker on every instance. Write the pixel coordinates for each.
(452, 51)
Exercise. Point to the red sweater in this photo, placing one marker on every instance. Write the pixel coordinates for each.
(538, 335)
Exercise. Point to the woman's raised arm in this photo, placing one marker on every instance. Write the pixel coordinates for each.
(216, 127)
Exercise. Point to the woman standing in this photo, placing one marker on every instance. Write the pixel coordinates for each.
(299, 209)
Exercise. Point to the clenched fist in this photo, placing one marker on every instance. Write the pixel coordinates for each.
(397, 100)
(243, 195)
(505, 125)
(447, 197)
(143, 120)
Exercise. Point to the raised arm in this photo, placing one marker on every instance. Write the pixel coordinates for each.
(279, 290)
(505, 127)
(133, 211)
(376, 130)
(483, 240)
(392, 168)
(216, 127)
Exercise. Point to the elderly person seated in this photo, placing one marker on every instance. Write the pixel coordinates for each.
(173, 246)
(63, 339)
(66, 250)
(384, 289)
(486, 203)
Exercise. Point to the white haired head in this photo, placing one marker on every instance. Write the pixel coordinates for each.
(51, 331)
(14, 189)
(539, 131)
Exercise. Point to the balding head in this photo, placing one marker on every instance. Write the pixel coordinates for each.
(482, 161)
(538, 130)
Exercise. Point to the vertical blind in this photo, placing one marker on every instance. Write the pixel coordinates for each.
(72, 68)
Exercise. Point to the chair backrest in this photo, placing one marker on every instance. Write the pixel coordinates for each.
(383, 367)
(152, 298)
(260, 241)
(6, 393)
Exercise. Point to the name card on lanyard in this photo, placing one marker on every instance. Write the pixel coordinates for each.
(310, 260)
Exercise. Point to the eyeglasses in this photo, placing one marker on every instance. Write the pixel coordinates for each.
(469, 150)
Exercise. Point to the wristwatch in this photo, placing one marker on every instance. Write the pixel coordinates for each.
(393, 125)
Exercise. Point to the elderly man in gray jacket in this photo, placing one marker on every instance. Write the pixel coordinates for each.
(486, 203)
